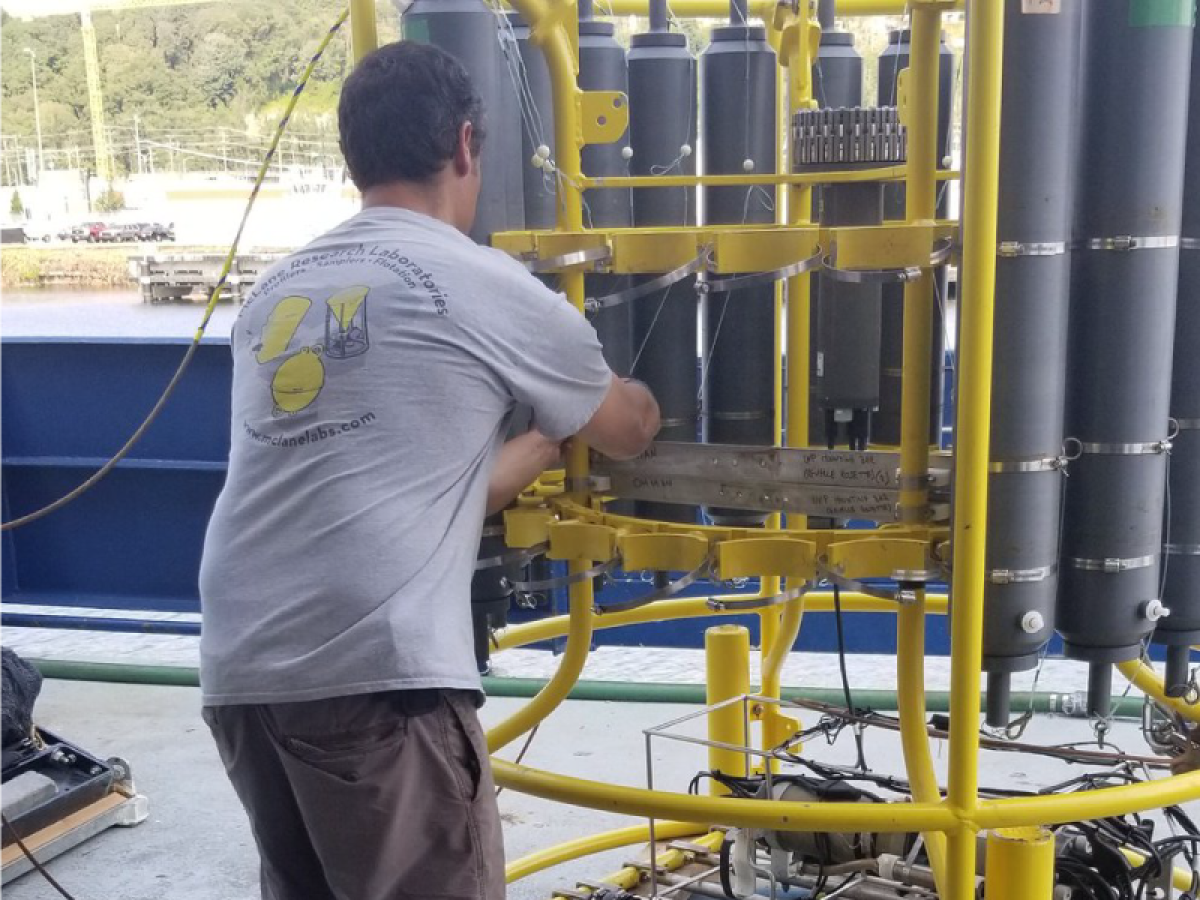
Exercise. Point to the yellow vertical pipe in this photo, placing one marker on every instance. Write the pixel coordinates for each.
(920, 115)
(550, 32)
(768, 618)
(364, 35)
(727, 675)
(914, 739)
(977, 279)
(795, 53)
(1020, 864)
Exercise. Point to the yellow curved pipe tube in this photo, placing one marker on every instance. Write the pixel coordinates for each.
(1183, 879)
(1145, 679)
(691, 607)
(914, 735)
(885, 817)
(1083, 805)
(775, 723)
(596, 843)
(548, 699)
(890, 817)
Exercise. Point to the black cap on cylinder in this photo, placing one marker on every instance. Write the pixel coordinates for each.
(999, 698)
(825, 14)
(658, 15)
(1100, 690)
(1178, 676)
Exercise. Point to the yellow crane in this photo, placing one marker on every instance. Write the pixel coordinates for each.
(91, 59)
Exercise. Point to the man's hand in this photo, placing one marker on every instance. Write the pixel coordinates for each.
(521, 460)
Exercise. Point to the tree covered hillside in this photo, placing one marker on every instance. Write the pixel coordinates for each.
(183, 72)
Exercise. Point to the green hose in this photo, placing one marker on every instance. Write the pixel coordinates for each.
(611, 691)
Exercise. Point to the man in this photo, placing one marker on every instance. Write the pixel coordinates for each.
(374, 373)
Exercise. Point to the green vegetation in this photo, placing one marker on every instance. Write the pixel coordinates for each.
(173, 72)
(16, 208)
(75, 266)
(110, 201)
(204, 84)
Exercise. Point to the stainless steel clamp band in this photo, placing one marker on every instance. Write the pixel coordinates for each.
(940, 254)
(1133, 449)
(569, 260)
(748, 415)
(1112, 564)
(1189, 243)
(1181, 549)
(760, 602)
(704, 570)
(678, 421)
(1188, 424)
(738, 282)
(1037, 464)
(1131, 242)
(593, 304)
(511, 558)
(550, 584)
(1022, 576)
(1009, 249)
(908, 582)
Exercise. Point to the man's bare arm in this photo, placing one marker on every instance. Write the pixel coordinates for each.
(520, 462)
(625, 423)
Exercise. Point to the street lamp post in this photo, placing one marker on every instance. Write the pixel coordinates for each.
(37, 112)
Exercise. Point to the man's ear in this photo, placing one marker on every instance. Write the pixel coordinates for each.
(463, 161)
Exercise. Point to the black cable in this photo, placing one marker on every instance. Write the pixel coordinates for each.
(841, 645)
(34, 860)
(725, 868)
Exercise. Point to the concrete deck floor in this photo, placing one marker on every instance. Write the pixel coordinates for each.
(196, 845)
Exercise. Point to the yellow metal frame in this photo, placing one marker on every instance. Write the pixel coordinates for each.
(581, 531)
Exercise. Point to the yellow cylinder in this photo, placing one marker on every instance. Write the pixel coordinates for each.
(727, 675)
(364, 35)
(1020, 864)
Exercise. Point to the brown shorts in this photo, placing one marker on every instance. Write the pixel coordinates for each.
(373, 797)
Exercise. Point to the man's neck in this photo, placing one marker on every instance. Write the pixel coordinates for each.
(420, 198)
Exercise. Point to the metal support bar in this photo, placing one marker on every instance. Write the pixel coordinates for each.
(985, 49)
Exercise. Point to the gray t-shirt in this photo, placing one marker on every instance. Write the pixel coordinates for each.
(373, 374)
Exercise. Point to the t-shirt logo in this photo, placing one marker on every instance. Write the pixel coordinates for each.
(300, 377)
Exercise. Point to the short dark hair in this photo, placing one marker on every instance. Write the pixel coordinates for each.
(401, 111)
